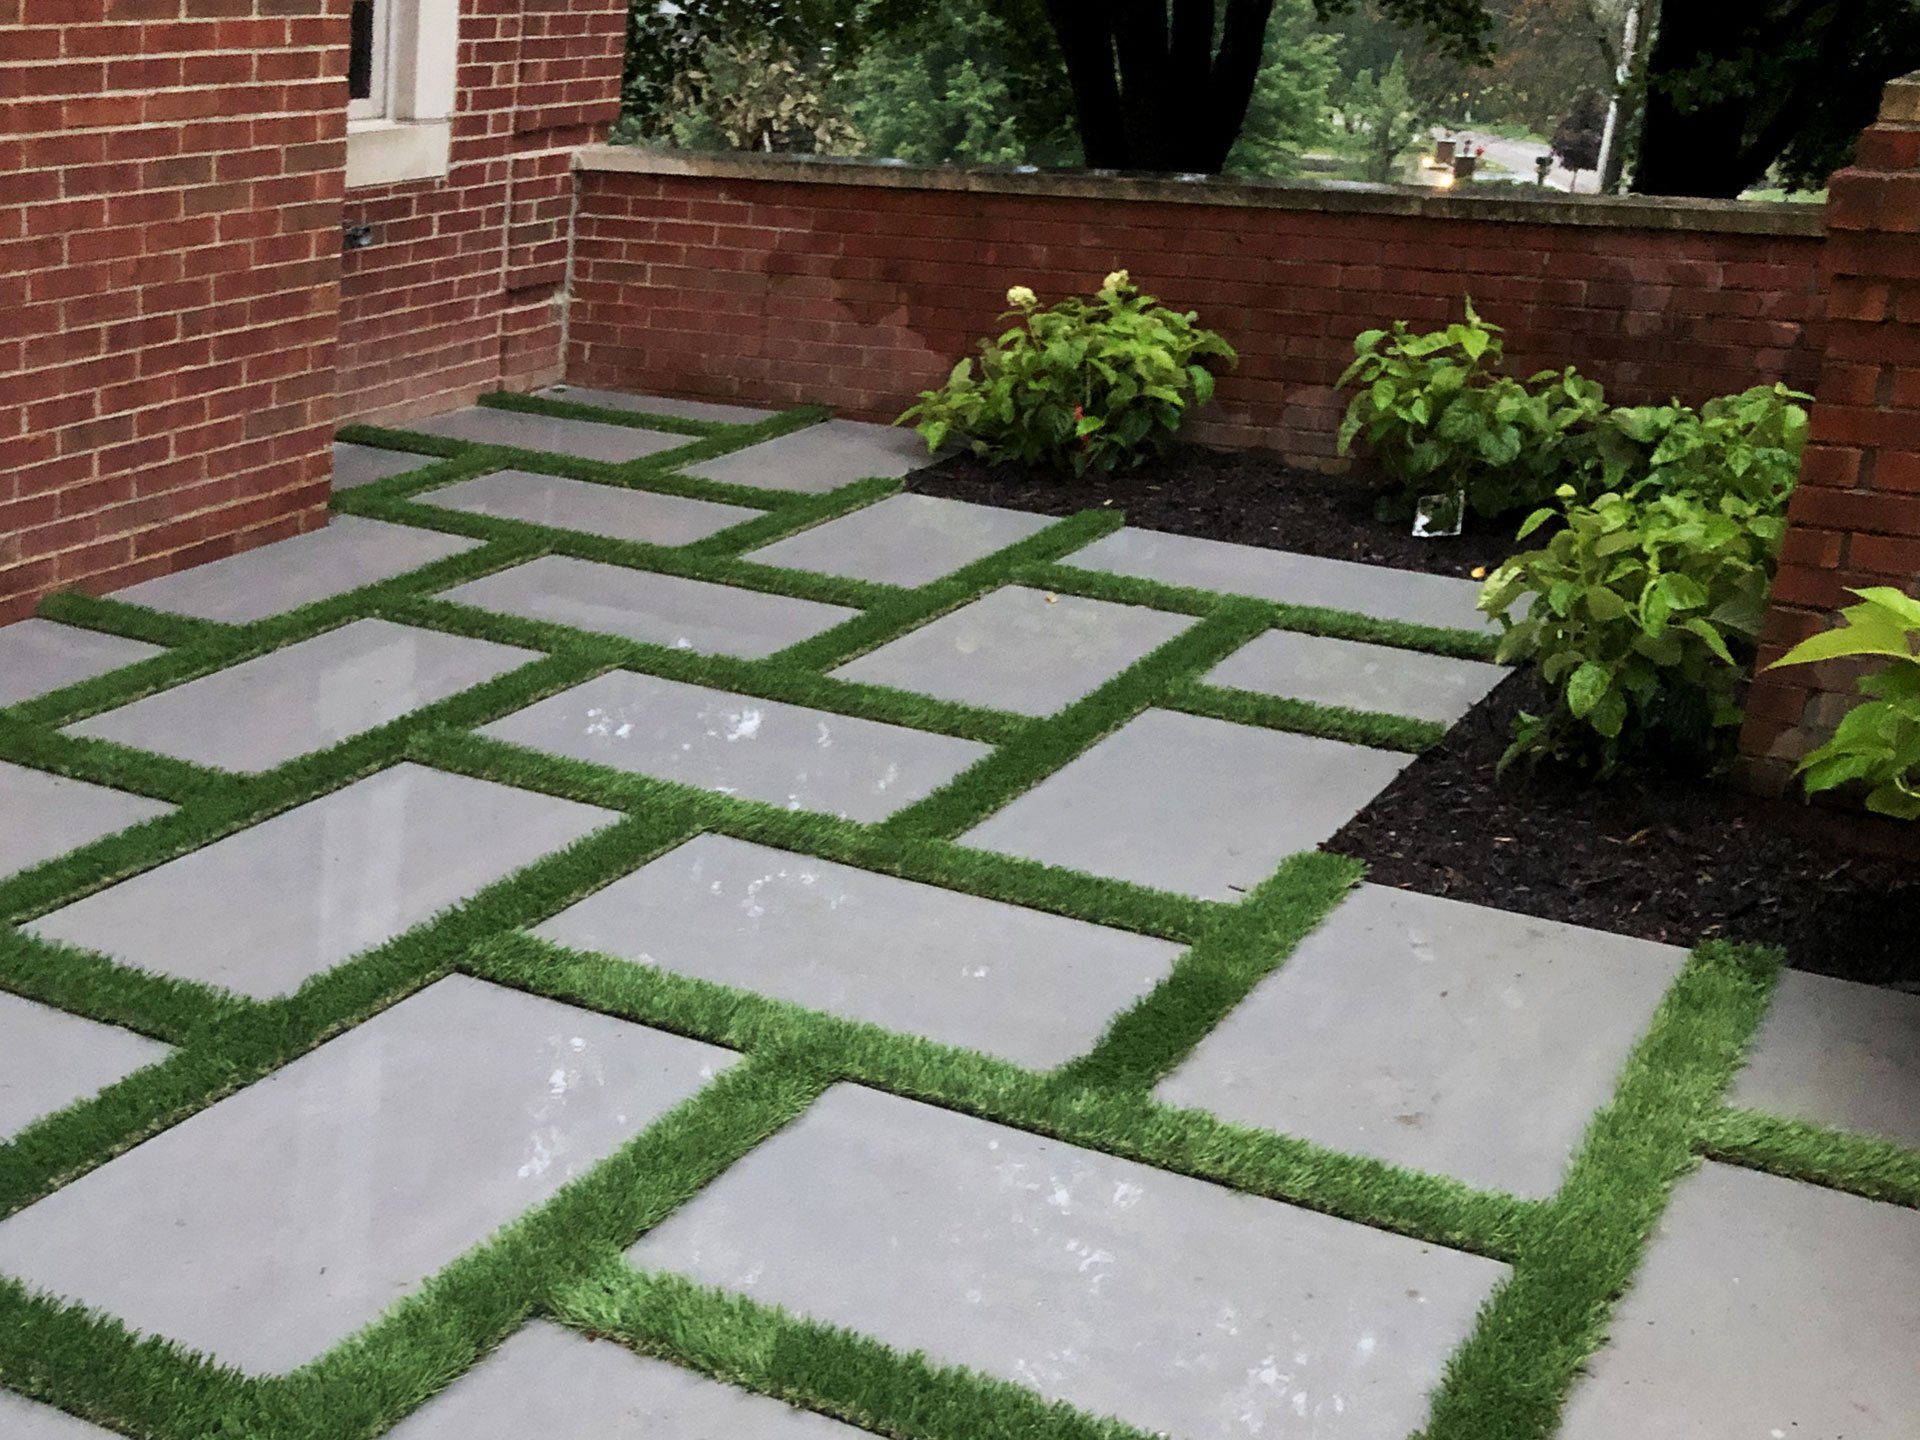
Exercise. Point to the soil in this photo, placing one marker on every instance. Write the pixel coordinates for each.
(1242, 496)
(1669, 856)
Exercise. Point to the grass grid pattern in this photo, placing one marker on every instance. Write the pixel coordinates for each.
(1571, 1256)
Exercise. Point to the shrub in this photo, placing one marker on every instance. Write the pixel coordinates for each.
(1879, 740)
(1087, 384)
(1439, 417)
(1645, 606)
(1747, 444)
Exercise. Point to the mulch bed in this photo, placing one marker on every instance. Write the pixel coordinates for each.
(1245, 497)
(1673, 857)
(1664, 856)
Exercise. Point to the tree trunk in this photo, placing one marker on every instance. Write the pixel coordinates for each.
(1689, 148)
(1150, 91)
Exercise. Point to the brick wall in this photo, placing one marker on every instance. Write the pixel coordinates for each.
(1855, 518)
(462, 289)
(169, 233)
(779, 280)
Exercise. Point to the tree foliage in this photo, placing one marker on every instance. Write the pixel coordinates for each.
(1786, 85)
(1391, 116)
(1288, 110)
(1576, 139)
(963, 85)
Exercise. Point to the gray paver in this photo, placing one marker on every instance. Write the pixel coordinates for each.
(280, 1220)
(1033, 988)
(1187, 803)
(1178, 1305)
(1358, 676)
(1838, 1053)
(1764, 1308)
(713, 410)
(819, 458)
(263, 909)
(357, 465)
(49, 1059)
(787, 755)
(305, 696)
(38, 657)
(1019, 649)
(549, 1382)
(615, 510)
(348, 553)
(1437, 1035)
(587, 439)
(1282, 575)
(904, 540)
(23, 1419)
(658, 609)
(44, 815)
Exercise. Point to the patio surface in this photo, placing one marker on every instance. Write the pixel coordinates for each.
(641, 928)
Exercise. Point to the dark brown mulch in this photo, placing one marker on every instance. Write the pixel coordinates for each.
(1666, 856)
(1243, 496)
(1674, 857)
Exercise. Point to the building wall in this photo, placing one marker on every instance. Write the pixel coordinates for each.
(462, 289)
(778, 279)
(170, 200)
(182, 333)
(1854, 520)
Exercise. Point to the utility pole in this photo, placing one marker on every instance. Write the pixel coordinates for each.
(1610, 163)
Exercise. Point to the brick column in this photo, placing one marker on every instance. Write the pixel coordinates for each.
(1855, 518)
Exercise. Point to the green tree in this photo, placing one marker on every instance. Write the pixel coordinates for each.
(962, 86)
(673, 49)
(1391, 115)
(1167, 84)
(1576, 140)
(1288, 110)
(757, 93)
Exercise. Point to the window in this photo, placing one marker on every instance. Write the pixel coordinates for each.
(368, 49)
(401, 58)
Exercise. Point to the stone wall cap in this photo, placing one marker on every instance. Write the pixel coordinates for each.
(1516, 204)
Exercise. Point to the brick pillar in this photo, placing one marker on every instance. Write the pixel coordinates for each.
(1855, 518)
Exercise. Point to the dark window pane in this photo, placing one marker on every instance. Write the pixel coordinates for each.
(360, 51)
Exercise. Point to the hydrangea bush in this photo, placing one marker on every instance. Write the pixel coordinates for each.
(1093, 383)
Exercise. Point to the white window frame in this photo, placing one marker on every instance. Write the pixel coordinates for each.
(374, 105)
(404, 130)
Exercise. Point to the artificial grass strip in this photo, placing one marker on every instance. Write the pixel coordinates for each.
(1245, 944)
(1059, 1104)
(888, 619)
(133, 622)
(762, 680)
(816, 1366)
(995, 780)
(1308, 619)
(1867, 1165)
(929, 860)
(1305, 717)
(563, 409)
(236, 1040)
(366, 1384)
(735, 434)
(1509, 1380)
(81, 982)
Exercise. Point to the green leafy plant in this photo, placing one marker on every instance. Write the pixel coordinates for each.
(1086, 384)
(1643, 607)
(1747, 444)
(1439, 417)
(1878, 742)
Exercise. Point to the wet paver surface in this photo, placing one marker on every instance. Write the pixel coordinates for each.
(517, 1030)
